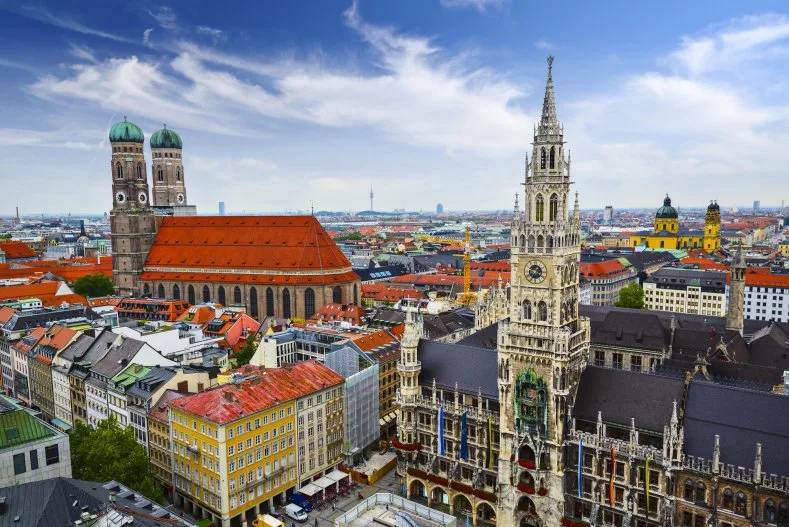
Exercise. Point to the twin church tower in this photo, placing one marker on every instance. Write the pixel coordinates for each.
(134, 209)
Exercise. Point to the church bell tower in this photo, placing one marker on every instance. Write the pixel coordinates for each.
(544, 346)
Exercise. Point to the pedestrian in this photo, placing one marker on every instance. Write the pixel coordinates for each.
(316, 522)
(332, 505)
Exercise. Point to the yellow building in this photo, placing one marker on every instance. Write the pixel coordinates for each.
(784, 248)
(235, 445)
(667, 234)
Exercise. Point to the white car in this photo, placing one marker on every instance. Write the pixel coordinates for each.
(295, 512)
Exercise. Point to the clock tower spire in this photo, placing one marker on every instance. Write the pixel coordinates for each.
(544, 346)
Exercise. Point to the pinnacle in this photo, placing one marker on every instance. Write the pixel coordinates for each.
(549, 123)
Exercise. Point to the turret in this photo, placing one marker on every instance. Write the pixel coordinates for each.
(169, 187)
(735, 316)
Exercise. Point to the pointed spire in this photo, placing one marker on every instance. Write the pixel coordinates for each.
(576, 210)
(549, 123)
(739, 258)
(674, 419)
(517, 209)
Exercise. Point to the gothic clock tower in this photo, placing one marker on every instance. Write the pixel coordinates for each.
(544, 346)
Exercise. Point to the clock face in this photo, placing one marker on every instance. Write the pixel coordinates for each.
(536, 271)
(142, 198)
(120, 197)
(180, 198)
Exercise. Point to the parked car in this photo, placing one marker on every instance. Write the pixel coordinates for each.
(295, 512)
(302, 501)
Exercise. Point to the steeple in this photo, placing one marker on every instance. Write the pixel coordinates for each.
(549, 123)
(576, 211)
(735, 316)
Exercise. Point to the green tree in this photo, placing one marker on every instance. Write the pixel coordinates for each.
(109, 452)
(92, 285)
(246, 353)
(631, 296)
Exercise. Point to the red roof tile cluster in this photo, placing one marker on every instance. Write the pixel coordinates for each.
(340, 312)
(68, 270)
(501, 266)
(445, 280)
(15, 250)
(201, 314)
(705, 263)
(57, 336)
(368, 342)
(30, 341)
(142, 308)
(602, 269)
(381, 292)
(263, 388)
(762, 277)
(46, 291)
(161, 410)
(245, 243)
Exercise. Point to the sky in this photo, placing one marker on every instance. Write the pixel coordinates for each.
(281, 105)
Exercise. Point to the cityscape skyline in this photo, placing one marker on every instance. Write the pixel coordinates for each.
(301, 89)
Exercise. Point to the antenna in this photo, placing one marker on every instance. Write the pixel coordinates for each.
(371, 197)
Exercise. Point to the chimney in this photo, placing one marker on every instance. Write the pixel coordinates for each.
(716, 454)
(757, 465)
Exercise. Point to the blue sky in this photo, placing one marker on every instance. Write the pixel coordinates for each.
(283, 103)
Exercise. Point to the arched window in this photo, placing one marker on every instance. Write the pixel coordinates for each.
(176, 292)
(543, 309)
(728, 499)
(160, 291)
(553, 157)
(770, 511)
(550, 242)
(253, 302)
(309, 303)
(159, 174)
(206, 294)
(119, 171)
(269, 302)
(526, 310)
(190, 295)
(178, 174)
(783, 513)
(701, 492)
(336, 295)
(237, 296)
(220, 294)
(553, 207)
(286, 303)
(539, 209)
(531, 242)
(740, 504)
(146, 289)
(139, 171)
(355, 295)
(523, 240)
(540, 242)
(689, 490)
(542, 158)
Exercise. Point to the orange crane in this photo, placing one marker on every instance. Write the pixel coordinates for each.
(469, 297)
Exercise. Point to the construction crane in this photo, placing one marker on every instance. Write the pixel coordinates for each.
(469, 297)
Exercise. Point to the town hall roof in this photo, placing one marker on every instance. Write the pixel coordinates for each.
(282, 250)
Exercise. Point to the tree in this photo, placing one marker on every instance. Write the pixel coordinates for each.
(92, 285)
(632, 296)
(246, 353)
(109, 452)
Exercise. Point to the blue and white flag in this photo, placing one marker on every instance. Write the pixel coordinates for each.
(463, 437)
(440, 431)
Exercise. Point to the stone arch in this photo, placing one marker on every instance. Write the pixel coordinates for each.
(526, 480)
(253, 302)
(269, 302)
(542, 309)
(417, 489)
(540, 242)
(485, 512)
(139, 170)
(336, 295)
(190, 295)
(221, 296)
(146, 289)
(549, 242)
(461, 505)
(553, 158)
(309, 302)
(527, 310)
(523, 240)
(178, 174)
(553, 207)
(160, 291)
(159, 174)
(286, 303)
(237, 300)
(525, 504)
(206, 294)
(526, 454)
(539, 208)
(439, 495)
(176, 292)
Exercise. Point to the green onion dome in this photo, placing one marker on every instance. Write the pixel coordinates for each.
(126, 132)
(166, 138)
(667, 211)
(713, 207)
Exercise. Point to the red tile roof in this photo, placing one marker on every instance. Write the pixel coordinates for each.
(761, 276)
(340, 312)
(5, 314)
(383, 293)
(266, 387)
(447, 280)
(372, 341)
(14, 250)
(705, 263)
(185, 245)
(161, 410)
(68, 270)
(46, 291)
(602, 269)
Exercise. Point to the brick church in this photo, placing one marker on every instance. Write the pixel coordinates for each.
(277, 266)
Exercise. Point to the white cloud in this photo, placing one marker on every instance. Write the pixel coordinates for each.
(543, 44)
(165, 17)
(214, 34)
(17, 65)
(41, 14)
(83, 52)
(740, 40)
(15, 137)
(480, 5)
(146, 36)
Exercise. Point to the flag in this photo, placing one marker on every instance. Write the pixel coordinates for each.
(580, 467)
(468, 522)
(490, 443)
(402, 490)
(440, 431)
(463, 437)
(646, 486)
(611, 483)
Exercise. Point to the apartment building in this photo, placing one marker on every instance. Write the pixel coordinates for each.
(694, 291)
(159, 446)
(766, 295)
(607, 278)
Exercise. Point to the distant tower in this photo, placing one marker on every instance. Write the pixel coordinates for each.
(169, 189)
(735, 316)
(712, 228)
(409, 368)
(131, 220)
(608, 215)
(371, 197)
(757, 205)
(221, 208)
(440, 208)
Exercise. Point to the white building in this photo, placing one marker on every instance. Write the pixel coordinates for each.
(766, 295)
(694, 291)
(178, 342)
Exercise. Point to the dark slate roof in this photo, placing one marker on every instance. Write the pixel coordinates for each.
(435, 326)
(380, 273)
(632, 329)
(621, 395)
(118, 357)
(643, 259)
(769, 347)
(471, 367)
(741, 418)
(484, 338)
(42, 317)
(51, 503)
(144, 387)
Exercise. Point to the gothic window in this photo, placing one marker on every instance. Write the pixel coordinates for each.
(286, 303)
(783, 513)
(176, 292)
(253, 302)
(237, 296)
(160, 291)
(139, 171)
(550, 241)
(540, 242)
(206, 294)
(553, 157)
(554, 207)
(523, 239)
(178, 174)
(336, 295)
(220, 293)
(689, 490)
(355, 295)
(701, 492)
(543, 309)
(146, 289)
(190, 295)
(309, 303)
(539, 210)
(119, 171)
(542, 158)
(531, 243)
(728, 499)
(526, 310)
(741, 504)
(269, 302)
(770, 511)
(159, 174)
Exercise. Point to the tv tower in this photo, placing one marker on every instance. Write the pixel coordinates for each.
(371, 197)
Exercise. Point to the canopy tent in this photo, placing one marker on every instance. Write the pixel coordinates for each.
(324, 482)
(336, 475)
(310, 490)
